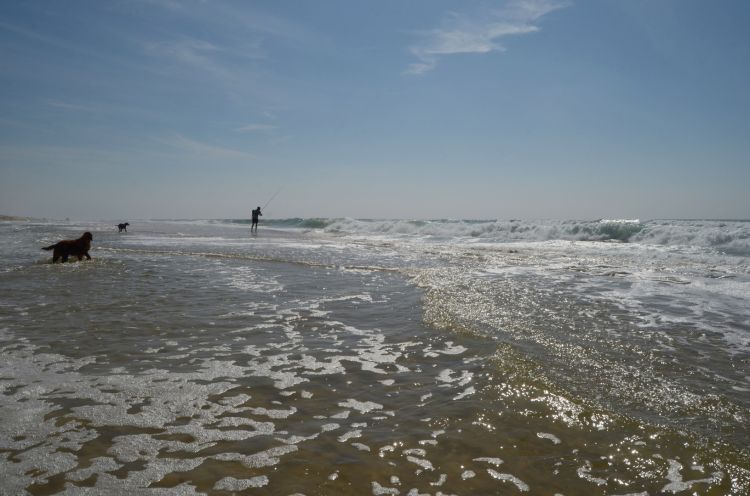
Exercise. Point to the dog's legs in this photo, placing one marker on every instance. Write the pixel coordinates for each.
(65, 258)
(88, 257)
(55, 257)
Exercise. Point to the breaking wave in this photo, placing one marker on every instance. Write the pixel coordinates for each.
(730, 236)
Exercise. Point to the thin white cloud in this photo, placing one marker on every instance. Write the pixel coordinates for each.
(224, 62)
(27, 33)
(57, 42)
(460, 34)
(178, 151)
(166, 4)
(204, 150)
(42, 156)
(192, 52)
(254, 128)
(228, 17)
(69, 106)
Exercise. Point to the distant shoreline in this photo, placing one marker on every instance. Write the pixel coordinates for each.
(14, 217)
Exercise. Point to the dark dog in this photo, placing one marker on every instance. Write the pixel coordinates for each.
(123, 227)
(77, 247)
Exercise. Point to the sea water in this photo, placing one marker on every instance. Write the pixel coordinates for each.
(342, 356)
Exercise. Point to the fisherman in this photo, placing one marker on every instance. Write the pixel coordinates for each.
(256, 214)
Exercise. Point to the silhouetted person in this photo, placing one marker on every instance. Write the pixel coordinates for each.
(256, 214)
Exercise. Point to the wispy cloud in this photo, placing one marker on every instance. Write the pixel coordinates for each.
(229, 17)
(176, 151)
(204, 150)
(41, 156)
(254, 128)
(26, 33)
(69, 106)
(460, 34)
(195, 53)
(81, 49)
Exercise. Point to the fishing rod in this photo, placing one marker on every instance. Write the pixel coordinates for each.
(271, 199)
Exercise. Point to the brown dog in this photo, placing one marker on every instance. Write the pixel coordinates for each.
(77, 247)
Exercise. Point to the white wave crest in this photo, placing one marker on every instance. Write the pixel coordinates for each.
(732, 237)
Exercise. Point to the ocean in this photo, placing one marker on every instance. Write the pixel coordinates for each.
(384, 357)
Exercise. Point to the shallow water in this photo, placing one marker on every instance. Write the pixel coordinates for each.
(192, 357)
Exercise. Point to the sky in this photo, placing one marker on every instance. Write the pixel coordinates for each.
(424, 109)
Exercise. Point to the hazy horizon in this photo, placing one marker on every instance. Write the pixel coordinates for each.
(6, 217)
(517, 109)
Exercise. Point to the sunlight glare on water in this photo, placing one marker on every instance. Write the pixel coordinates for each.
(196, 359)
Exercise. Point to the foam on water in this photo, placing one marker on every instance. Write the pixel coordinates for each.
(731, 236)
(155, 399)
(299, 361)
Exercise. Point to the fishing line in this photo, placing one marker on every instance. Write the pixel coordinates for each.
(274, 196)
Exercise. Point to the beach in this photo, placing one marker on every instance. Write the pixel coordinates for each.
(344, 356)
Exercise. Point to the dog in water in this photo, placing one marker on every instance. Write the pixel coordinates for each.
(123, 227)
(78, 248)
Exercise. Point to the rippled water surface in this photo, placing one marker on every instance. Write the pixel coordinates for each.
(194, 358)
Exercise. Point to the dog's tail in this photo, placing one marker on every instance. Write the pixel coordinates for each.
(50, 247)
